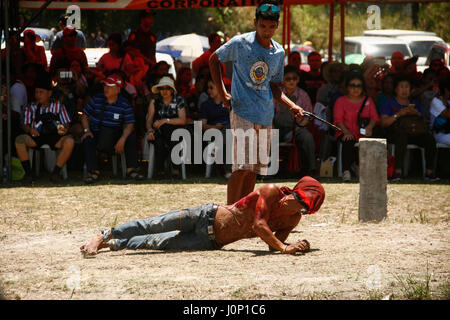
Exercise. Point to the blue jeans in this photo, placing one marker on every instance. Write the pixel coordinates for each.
(186, 229)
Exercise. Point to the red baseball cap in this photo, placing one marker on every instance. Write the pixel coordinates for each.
(113, 80)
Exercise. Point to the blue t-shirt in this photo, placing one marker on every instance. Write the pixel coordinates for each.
(214, 113)
(254, 67)
(391, 107)
(115, 115)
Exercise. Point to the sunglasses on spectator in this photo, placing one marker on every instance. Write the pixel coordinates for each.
(356, 86)
(165, 88)
(265, 7)
(290, 79)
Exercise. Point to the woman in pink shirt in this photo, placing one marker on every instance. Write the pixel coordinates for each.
(346, 111)
(116, 59)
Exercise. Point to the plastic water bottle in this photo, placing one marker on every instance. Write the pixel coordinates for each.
(39, 126)
(287, 137)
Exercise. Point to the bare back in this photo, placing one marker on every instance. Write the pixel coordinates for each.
(237, 221)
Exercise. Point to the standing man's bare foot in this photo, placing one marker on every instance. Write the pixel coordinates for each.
(91, 248)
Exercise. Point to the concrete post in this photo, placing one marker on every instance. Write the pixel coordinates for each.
(372, 179)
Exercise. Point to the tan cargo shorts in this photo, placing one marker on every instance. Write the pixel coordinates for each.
(251, 145)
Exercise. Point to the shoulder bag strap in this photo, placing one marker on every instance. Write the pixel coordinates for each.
(362, 107)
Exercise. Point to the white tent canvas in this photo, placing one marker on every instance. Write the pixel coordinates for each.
(191, 46)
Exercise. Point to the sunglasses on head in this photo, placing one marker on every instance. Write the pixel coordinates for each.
(265, 7)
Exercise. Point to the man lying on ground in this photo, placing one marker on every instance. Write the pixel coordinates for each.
(269, 212)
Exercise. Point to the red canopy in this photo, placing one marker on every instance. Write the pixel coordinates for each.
(183, 4)
(194, 4)
(153, 4)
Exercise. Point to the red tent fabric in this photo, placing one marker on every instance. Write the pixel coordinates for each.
(183, 4)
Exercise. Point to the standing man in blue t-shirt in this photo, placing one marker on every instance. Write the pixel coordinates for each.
(257, 71)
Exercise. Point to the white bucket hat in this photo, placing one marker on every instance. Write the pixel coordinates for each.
(164, 81)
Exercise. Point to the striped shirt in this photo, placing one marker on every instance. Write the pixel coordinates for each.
(56, 107)
(115, 115)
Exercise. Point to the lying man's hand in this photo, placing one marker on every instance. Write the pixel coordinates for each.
(298, 246)
(303, 245)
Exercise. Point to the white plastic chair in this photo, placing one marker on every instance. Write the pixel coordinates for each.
(123, 161)
(147, 145)
(50, 159)
(406, 161)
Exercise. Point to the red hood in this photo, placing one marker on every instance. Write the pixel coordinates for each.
(310, 191)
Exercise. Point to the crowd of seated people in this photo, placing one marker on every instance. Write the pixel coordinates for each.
(129, 100)
(377, 100)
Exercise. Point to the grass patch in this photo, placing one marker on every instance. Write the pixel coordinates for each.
(415, 289)
(444, 291)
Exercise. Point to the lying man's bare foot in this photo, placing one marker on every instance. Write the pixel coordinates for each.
(91, 248)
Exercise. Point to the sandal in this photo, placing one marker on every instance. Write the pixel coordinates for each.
(92, 177)
(133, 174)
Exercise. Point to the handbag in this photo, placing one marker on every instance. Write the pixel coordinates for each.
(413, 125)
(363, 122)
(107, 136)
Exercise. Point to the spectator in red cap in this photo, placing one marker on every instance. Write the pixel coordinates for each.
(108, 126)
(410, 71)
(63, 57)
(397, 60)
(270, 213)
(215, 41)
(143, 38)
(33, 53)
(58, 40)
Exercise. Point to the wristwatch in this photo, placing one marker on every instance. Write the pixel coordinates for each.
(395, 116)
(168, 119)
(85, 130)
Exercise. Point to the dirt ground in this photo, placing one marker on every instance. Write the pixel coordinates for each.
(404, 257)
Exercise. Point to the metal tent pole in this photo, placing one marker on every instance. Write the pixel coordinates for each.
(330, 33)
(8, 89)
(343, 31)
(1, 104)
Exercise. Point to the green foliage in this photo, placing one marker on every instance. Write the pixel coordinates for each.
(414, 289)
(434, 17)
(308, 22)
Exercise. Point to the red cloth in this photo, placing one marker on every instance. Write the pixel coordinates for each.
(310, 191)
(35, 54)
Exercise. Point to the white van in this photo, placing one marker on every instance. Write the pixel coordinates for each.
(420, 42)
(396, 33)
(376, 46)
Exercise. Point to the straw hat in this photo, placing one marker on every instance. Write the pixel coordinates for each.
(164, 81)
